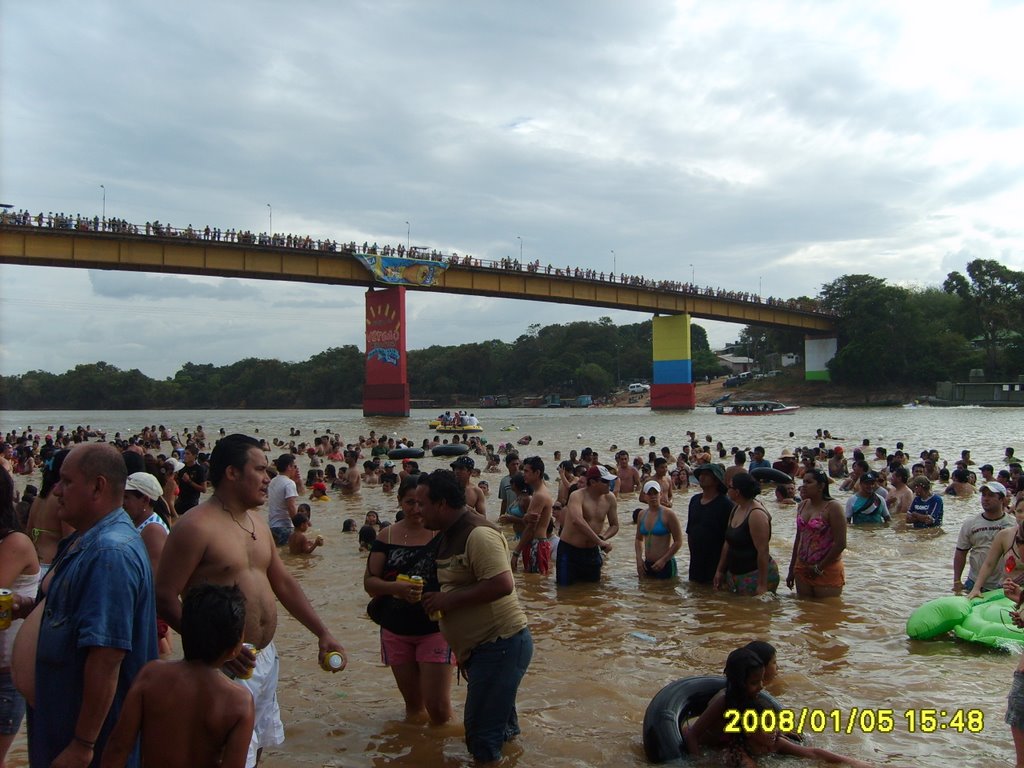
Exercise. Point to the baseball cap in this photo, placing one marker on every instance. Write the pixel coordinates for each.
(652, 485)
(389, 464)
(178, 465)
(463, 462)
(144, 483)
(600, 472)
(869, 477)
(715, 469)
(994, 487)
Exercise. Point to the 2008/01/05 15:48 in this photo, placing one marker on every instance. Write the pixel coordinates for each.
(855, 719)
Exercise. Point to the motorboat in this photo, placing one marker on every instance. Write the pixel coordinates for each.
(755, 408)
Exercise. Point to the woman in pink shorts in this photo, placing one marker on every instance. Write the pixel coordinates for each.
(411, 644)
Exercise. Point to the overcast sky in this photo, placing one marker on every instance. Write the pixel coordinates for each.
(786, 142)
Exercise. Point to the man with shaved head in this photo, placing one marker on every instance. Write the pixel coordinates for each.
(98, 628)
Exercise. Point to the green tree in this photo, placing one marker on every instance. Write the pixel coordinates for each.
(993, 300)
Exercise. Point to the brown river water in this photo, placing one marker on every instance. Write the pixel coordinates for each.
(602, 651)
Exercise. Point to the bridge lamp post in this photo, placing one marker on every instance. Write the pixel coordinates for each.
(270, 211)
(613, 261)
(408, 229)
(692, 280)
(104, 203)
(759, 278)
(520, 248)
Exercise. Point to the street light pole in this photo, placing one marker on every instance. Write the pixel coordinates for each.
(520, 249)
(270, 209)
(759, 286)
(408, 229)
(613, 261)
(104, 219)
(691, 275)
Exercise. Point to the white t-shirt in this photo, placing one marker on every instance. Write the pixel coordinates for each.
(976, 536)
(281, 489)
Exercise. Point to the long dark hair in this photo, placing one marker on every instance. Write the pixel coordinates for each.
(8, 517)
(51, 472)
(740, 665)
(821, 479)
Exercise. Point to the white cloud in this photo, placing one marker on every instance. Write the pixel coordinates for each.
(784, 141)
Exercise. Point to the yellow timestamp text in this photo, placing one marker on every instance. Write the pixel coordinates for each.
(854, 719)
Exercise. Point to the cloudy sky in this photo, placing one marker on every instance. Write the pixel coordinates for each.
(773, 141)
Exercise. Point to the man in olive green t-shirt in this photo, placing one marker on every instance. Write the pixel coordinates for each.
(480, 614)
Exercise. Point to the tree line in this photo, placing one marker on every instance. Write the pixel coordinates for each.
(888, 334)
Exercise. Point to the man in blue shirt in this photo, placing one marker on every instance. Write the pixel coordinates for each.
(758, 460)
(99, 625)
(926, 508)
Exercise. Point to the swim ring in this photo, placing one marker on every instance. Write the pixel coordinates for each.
(986, 620)
(672, 705)
(454, 449)
(770, 475)
(406, 453)
(462, 429)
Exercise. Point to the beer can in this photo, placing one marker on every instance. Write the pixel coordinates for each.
(333, 662)
(417, 580)
(256, 651)
(6, 608)
(436, 615)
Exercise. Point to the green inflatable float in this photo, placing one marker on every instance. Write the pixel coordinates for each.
(985, 620)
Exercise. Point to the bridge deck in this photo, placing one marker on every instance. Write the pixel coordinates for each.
(41, 246)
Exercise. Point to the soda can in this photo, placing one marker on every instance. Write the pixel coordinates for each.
(6, 608)
(436, 615)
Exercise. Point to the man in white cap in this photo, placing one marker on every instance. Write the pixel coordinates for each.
(988, 538)
(584, 536)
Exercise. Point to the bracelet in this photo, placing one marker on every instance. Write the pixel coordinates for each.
(84, 743)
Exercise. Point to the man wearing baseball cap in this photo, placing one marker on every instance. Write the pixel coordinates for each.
(475, 499)
(1006, 556)
(989, 540)
(867, 505)
(584, 536)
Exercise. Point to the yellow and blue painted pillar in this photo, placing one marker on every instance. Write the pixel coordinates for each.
(672, 383)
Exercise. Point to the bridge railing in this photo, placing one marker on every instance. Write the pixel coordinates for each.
(157, 229)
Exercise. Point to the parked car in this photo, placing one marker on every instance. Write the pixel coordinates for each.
(638, 388)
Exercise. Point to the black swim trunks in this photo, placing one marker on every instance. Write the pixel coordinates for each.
(574, 564)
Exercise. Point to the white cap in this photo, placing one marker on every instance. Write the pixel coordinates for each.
(652, 485)
(144, 483)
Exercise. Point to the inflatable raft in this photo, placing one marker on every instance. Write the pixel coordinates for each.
(453, 449)
(985, 620)
(406, 453)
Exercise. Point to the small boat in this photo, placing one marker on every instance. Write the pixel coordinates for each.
(434, 424)
(755, 408)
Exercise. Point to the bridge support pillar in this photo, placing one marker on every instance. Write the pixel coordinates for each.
(818, 350)
(672, 382)
(386, 391)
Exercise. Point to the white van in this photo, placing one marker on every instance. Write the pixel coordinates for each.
(638, 388)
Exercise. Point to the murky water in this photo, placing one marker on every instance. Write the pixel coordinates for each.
(583, 700)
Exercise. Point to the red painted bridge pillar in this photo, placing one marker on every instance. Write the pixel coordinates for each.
(386, 391)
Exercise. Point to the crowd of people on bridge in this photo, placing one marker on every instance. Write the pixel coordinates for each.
(81, 223)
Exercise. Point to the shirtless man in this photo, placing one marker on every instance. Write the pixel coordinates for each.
(664, 480)
(351, 478)
(475, 499)
(221, 542)
(629, 478)
(534, 545)
(583, 535)
(901, 496)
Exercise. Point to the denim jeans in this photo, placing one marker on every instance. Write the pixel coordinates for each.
(493, 672)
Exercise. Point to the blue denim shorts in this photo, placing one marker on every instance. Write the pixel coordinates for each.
(12, 706)
(493, 672)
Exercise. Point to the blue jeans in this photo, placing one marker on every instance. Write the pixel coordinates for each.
(493, 672)
(281, 535)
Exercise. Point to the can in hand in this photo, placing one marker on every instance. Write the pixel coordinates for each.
(415, 580)
(333, 662)
(6, 608)
(248, 672)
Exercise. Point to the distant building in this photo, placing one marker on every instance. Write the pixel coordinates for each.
(736, 363)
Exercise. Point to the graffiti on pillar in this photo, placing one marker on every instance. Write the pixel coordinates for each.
(383, 332)
(399, 270)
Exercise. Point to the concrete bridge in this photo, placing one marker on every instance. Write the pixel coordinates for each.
(79, 244)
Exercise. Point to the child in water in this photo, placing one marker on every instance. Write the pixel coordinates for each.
(189, 713)
(299, 543)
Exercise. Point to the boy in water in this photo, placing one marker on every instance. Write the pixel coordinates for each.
(189, 713)
(299, 543)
